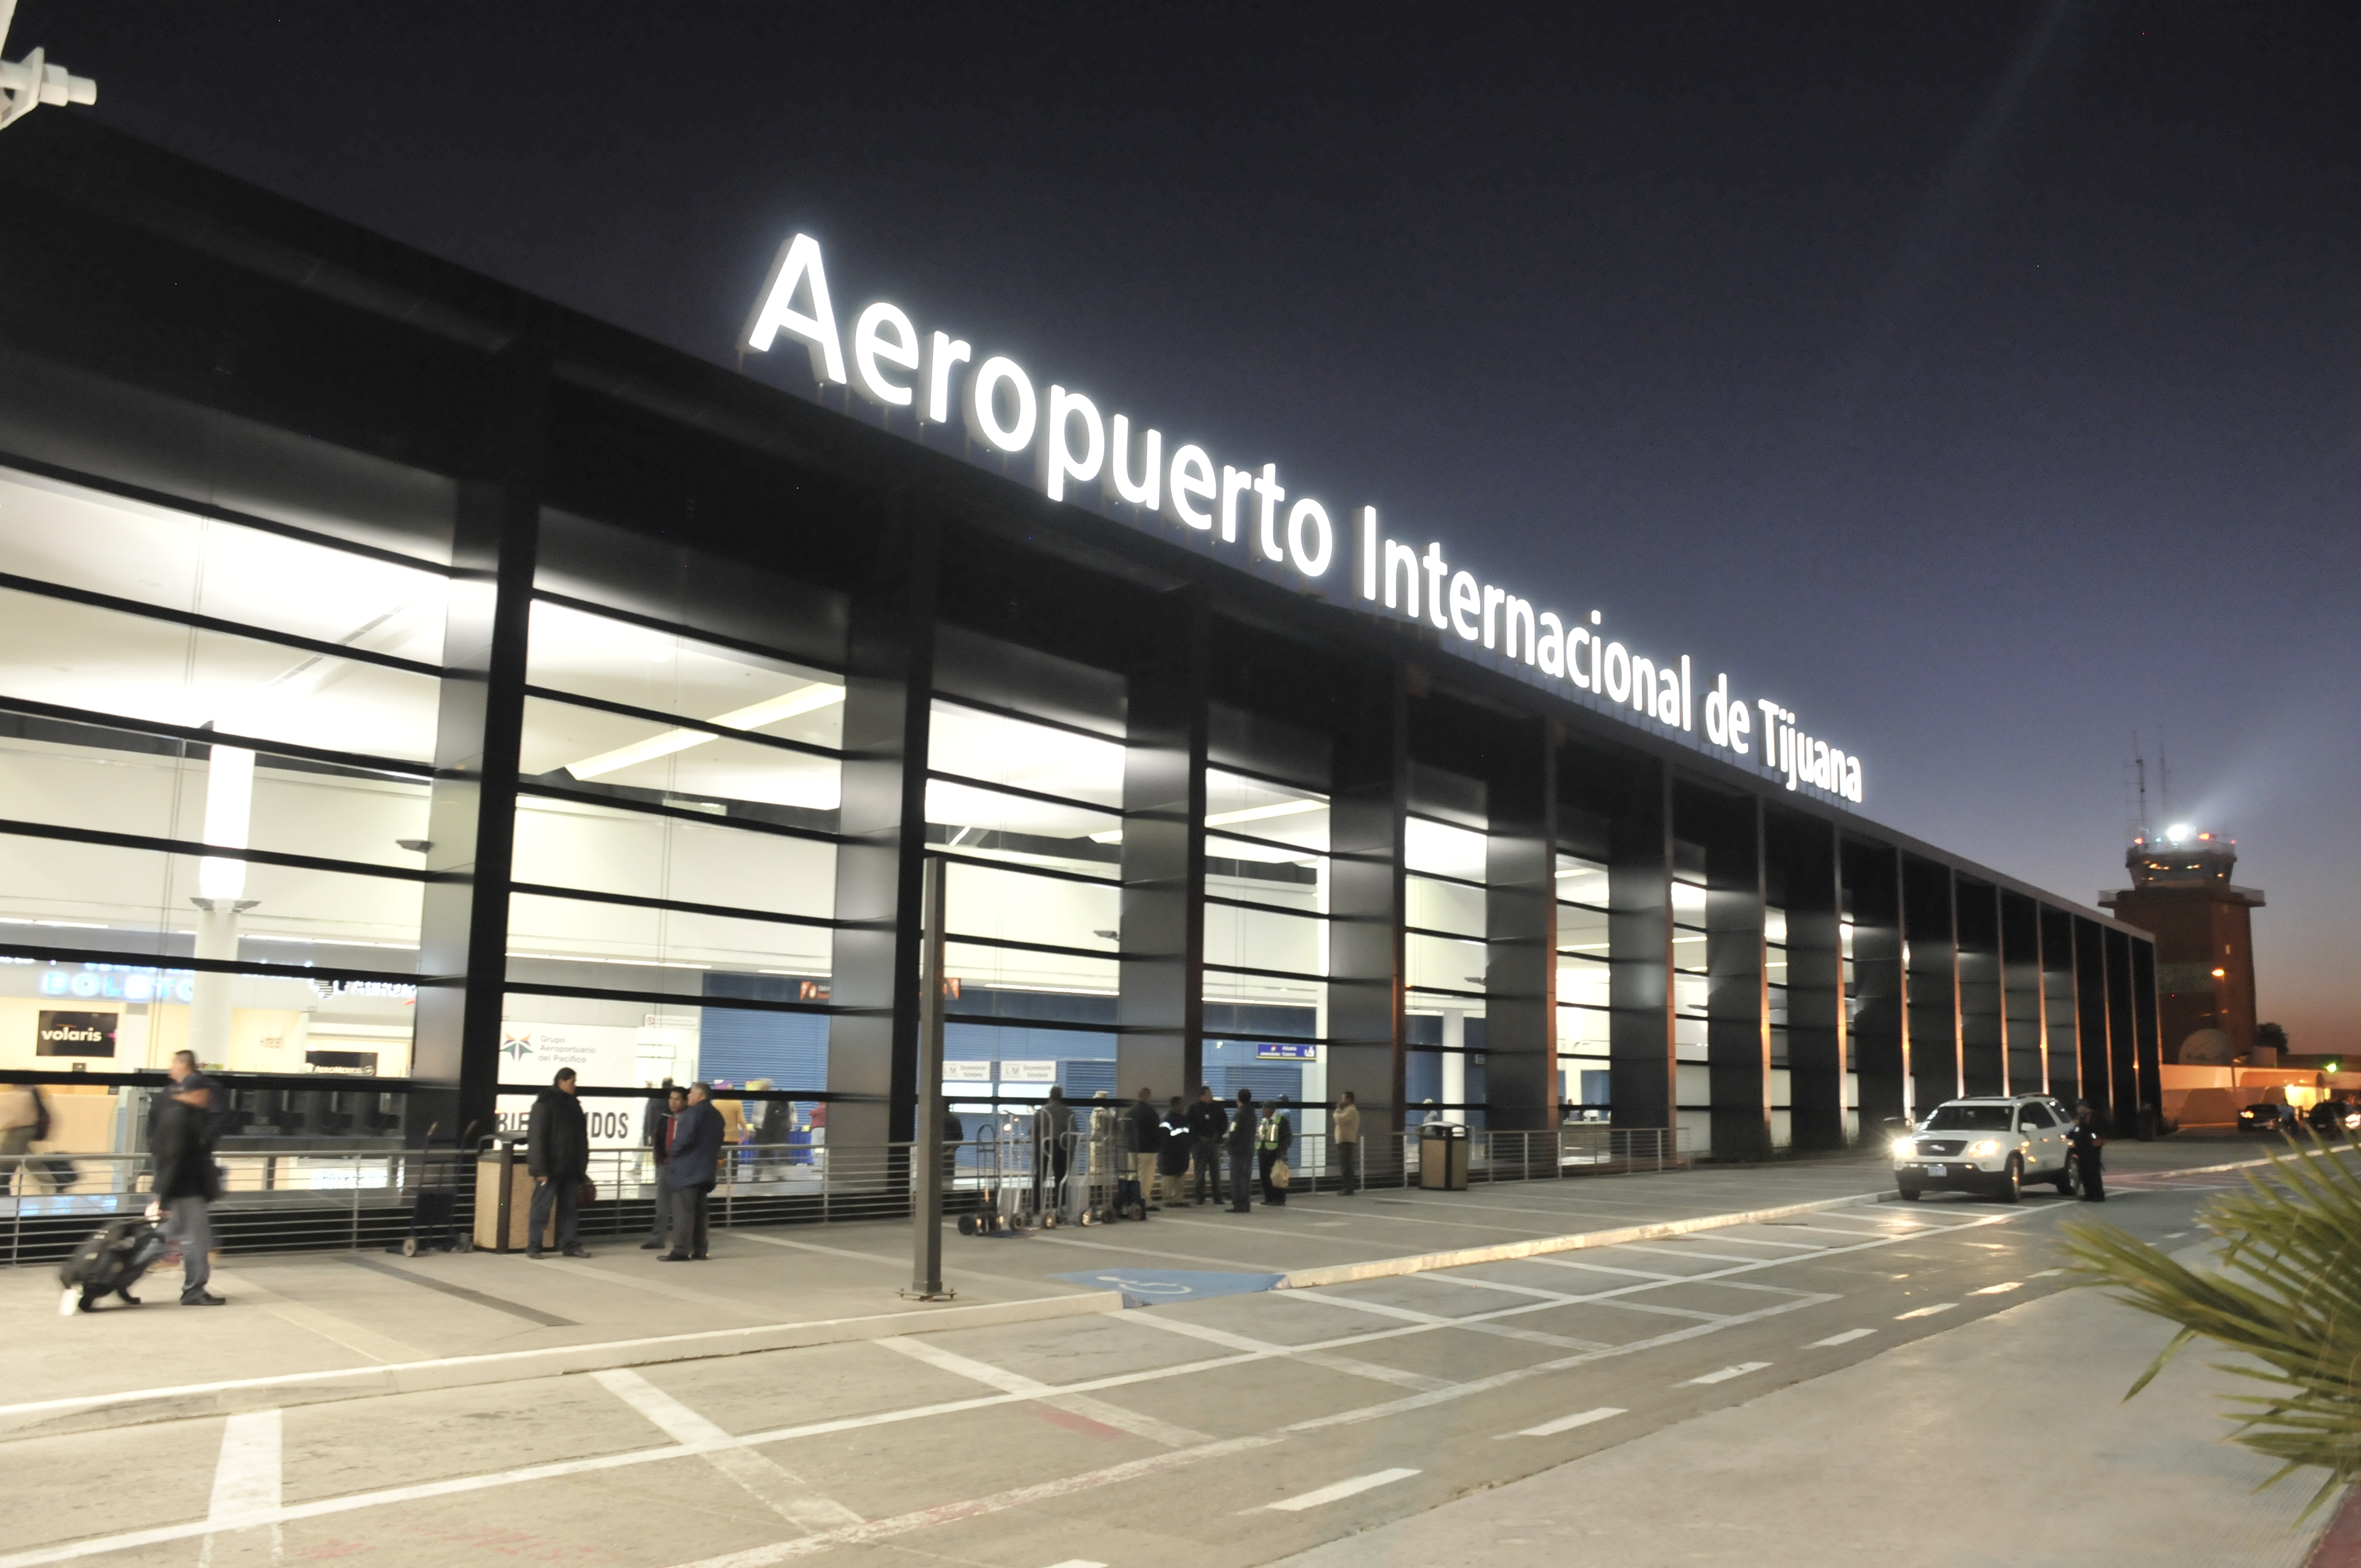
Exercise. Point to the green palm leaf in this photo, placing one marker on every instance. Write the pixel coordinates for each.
(2288, 1298)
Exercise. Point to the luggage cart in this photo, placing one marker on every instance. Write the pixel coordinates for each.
(434, 1212)
(1002, 1210)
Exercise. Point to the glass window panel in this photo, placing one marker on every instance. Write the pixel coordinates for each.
(1689, 902)
(113, 662)
(1267, 990)
(577, 931)
(1689, 993)
(60, 534)
(615, 661)
(589, 746)
(998, 750)
(1774, 965)
(564, 843)
(1447, 962)
(1583, 1031)
(277, 1025)
(1441, 849)
(93, 896)
(1445, 906)
(1259, 938)
(1774, 924)
(1581, 930)
(1045, 831)
(613, 1044)
(1009, 968)
(1583, 882)
(1688, 950)
(1583, 984)
(1012, 905)
(1263, 810)
(117, 781)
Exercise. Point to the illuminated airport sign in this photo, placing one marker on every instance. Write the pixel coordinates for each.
(1246, 509)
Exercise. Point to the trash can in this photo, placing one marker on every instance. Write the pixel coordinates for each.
(1443, 1157)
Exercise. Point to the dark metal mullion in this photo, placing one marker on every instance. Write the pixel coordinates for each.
(1447, 880)
(95, 720)
(1265, 843)
(698, 999)
(1068, 1025)
(977, 706)
(674, 721)
(720, 911)
(1033, 794)
(117, 957)
(213, 623)
(1014, 945)
(1275, 908)
(1267, 974)
(1441, 936)
(1049, 872)
(648, 809)
(214, 851)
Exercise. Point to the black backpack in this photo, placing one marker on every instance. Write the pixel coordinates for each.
(117, 1254)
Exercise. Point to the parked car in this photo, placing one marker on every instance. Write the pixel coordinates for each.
(2337, 1115)
(1993, 1145)
(2267, 1116)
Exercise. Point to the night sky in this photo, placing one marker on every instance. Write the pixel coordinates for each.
(1982, 382)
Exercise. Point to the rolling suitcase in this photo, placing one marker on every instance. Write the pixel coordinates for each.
(109, 1264)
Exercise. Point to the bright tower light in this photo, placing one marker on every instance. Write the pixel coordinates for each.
(2179, 833)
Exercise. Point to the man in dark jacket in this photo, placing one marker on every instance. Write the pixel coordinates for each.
(1243, 1127)
(558, 1152)
(2082, 1138)
(694, 1167)
(1207, 1123)
(1147, 1138)
(1175, 1146)
(660, 1143)
(186, 1185)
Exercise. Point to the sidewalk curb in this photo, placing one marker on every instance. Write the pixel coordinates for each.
(1509, 1252)
(140, 1407)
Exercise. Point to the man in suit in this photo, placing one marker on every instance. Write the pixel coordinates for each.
(558, 1152)
(660, 1141)
(691, 1172)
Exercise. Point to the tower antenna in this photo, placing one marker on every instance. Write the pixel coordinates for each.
(2139, 767)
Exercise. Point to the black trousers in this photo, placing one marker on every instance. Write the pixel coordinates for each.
(2095, 1179)
(560, 1191)
(660, 1224)
(1242, 1178)
(1348, 1163)
(688, 1204)
(1209, 1171)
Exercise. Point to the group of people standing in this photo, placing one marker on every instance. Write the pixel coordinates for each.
(686, 1140)
(1176, 1155)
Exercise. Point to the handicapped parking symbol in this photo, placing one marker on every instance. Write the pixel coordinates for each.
(1162, 1287)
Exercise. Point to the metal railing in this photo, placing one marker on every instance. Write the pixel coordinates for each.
(301, 1199)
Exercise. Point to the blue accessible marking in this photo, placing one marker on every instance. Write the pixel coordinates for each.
(1162, 1287)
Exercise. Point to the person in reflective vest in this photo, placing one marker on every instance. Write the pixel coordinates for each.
(1275, 1138)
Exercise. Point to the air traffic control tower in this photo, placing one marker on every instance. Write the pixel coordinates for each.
(2204, 942)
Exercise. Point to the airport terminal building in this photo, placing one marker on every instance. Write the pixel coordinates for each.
(409, 687)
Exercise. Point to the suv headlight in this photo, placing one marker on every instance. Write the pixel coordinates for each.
(1984, 1147)
(1903, 1148)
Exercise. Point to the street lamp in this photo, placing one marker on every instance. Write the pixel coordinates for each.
(26, 85)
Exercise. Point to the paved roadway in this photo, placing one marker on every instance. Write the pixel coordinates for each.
(1238, 1429)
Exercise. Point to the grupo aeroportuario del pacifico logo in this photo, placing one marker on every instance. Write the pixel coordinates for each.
(939, 379)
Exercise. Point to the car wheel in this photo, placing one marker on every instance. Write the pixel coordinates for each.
(2012, 1182)
(1909, 1194)
(2068, 1181)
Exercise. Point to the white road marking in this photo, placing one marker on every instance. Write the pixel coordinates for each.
(1924, 1311)
(2045, 1274)
(765, 1480)
(1314, 1355)
(246, 1476)
(1845, 1338)
(1078, 1563)
(1628, 1273)
(1474, 1323)
(1758, 1241)
(1726, 1373)
(1342, 1490)
(1691, 1251)
(2001, 1289)
(1008, 1382)
(1567, 1423)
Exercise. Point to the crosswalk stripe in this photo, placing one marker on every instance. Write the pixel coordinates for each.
(1726, 1373)
(1341, 1490)
(1567, 1423)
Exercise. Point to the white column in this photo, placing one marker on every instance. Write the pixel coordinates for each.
(229, 815)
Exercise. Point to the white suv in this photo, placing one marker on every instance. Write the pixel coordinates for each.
(1991, 1144)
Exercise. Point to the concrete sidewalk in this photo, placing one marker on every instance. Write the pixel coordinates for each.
(307, 1327)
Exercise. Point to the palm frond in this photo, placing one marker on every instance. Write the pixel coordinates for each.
(2288, 1298)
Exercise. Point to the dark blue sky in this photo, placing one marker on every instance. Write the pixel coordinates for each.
(1983, 381)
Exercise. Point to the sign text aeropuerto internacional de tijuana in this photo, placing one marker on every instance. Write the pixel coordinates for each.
(1241, 508)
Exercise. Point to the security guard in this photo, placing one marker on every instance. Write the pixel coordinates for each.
(2084, 1138)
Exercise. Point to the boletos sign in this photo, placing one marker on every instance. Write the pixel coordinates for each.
(939, 379)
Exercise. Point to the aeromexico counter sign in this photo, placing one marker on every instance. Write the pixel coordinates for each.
(939, 377)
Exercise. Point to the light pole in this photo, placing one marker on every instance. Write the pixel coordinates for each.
(926, 1146)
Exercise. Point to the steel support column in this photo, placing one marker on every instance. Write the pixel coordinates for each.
(1804, 861)
(1931, 964)
(1983, 1066)
(1521, 1079)
(1365, 960)
(1161, 1001)
(1641, 1063)
(1737, 1007)
(1880, 1025)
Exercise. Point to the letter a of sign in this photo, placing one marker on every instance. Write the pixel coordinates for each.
(798, 268)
